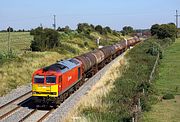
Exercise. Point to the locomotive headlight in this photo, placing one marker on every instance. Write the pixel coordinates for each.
(53, 93)
(33, 92)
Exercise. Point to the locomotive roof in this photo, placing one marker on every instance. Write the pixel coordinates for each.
(63, 66)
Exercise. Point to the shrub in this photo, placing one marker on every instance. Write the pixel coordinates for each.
(7, 56)
(145, 104)
(164, 30)
(168, 96)
(44, 39)
(127, 30)
(86, 44)
(154, 49)
(69, 48)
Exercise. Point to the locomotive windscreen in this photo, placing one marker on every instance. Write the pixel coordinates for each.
(50, 79)
(38, 79)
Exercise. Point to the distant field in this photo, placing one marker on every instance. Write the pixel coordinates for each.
(169, 74)
(18, 41)
(168, 82)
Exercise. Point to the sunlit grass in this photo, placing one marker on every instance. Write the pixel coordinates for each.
(19, 72)
(169, 74)
(165, 111)
(19, 41)
(93, 100)
(167, 82)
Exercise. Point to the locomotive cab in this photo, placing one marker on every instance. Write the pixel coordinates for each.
(49, 83)
(45, 85)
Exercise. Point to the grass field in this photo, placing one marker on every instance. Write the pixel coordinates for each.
(169, 74)
(19, 41)
(168, 82)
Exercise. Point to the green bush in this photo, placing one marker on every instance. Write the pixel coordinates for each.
(145, 104)
(155, 47)
(86, 44)
(7, 56)
(168, 96)
(164, 31)
(69, 48)
(44, 39)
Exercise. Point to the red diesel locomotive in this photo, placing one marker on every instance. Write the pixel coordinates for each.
(54, 83)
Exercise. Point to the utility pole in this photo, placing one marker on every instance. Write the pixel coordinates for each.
(54, 25)
(9, 40)
(41, 25)
(177, 17)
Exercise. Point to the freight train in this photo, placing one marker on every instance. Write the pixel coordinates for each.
(54, 83)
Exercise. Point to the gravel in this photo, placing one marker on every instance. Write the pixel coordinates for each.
(60, 113)
(17, 116)
(15, 94)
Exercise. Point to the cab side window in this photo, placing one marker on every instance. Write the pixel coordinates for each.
(79, 73)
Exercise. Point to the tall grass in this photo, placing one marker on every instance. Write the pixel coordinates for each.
(19, 41)
(116, 104)
(19, 71)
(94, 97)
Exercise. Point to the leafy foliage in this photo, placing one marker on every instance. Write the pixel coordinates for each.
(10, 29)
(44, 39)
(164, 31)
(168, 96)
(154, 29)
(4, 57)
(85, 28)
(99, 29)
(66, 29)
(127, 30)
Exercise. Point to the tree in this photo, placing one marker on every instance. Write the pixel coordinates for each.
(167, 30)
(127, 30)
(99, 29)
(154, 29)
(108, 29)
(164, 30)
(85, 28)
(10, 29)
(44, 39)
(59, 29)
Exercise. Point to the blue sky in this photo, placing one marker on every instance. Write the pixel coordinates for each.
(29, 14)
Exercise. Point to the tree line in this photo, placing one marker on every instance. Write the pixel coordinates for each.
(164, 31)
(46, 38)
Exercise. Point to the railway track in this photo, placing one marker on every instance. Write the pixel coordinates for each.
(14, 105)
(21, 109)
(32, 116)
(15, 100)
(28, 115)
(47, 114)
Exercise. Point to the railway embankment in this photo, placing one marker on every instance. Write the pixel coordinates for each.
(116, 98)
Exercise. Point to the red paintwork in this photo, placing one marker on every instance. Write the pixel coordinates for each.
(69, 78)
